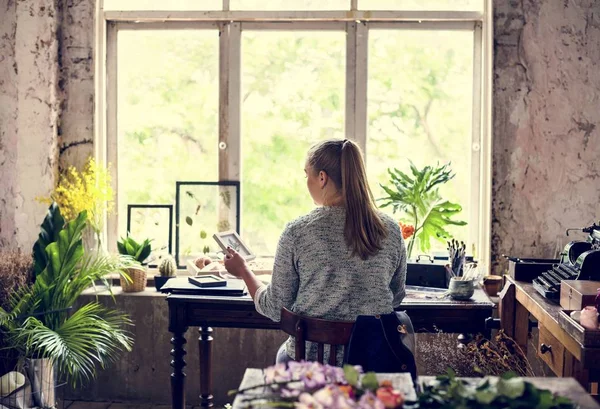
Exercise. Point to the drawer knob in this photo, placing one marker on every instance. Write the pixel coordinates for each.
(545, 348)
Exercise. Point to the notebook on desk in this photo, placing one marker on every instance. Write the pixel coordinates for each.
(181, 285)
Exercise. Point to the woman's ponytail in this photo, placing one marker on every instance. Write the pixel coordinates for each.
(364, 230)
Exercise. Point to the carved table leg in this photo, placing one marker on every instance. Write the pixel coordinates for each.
(205, 344)
(178, 376)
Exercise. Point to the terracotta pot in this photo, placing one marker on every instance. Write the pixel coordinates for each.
(492, 284)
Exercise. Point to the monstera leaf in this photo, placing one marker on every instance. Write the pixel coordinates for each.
(435, 222)
(51, 227)
(416, 194)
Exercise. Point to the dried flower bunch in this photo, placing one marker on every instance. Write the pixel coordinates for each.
(497, 357)
(16, 271)
(481, 356)
(311, 385)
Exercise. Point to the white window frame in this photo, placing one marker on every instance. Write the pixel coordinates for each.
(357, 24)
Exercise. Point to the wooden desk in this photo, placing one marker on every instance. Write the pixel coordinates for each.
(568, 388)
(238, 312)
(563, 354)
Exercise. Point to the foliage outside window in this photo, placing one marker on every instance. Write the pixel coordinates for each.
(293, 92)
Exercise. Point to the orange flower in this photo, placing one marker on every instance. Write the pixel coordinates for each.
(407, 230)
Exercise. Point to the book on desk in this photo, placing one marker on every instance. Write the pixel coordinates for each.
(181, 285)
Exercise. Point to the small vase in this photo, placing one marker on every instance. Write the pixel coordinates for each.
(492, 285)
(589, 318)
(461, 290)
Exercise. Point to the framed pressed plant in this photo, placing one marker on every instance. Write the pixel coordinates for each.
(201, 210)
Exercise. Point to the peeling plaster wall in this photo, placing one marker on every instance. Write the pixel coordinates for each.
(76, 131)
(28, 115)
(546, 172)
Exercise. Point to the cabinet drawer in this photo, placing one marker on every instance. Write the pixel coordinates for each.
(551, 351)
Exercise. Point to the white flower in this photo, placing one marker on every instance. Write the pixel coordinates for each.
(307, 401)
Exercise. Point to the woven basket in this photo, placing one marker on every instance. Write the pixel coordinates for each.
(139, 279)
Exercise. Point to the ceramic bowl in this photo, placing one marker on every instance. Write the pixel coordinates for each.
(461, 289)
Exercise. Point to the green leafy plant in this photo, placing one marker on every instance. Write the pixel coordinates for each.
(51, 227)
(39, 322)
(507, 391)
(417, 195)
(130, 247)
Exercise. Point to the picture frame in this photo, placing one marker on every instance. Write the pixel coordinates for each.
(203, 208)
(233, 240)
(142, 222)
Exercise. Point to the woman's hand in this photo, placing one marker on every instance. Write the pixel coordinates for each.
(234, 263)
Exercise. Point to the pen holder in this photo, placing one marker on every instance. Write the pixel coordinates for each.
(461, 289)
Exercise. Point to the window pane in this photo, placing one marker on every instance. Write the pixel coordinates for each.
(455, 5)
(163, 5)
(167, 113)
(420, 109)
(289, 5)
(293, 87)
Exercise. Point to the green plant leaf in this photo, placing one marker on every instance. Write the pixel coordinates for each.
(351, 375)
(416, 194)
(144, 252)
(50, 228)
(189, 220)
(485, 396)
(132, 251)
(203, 234)
(369, 381)
(511, 388)
(435, 223)
(92, 336)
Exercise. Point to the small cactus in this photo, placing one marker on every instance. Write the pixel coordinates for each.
(167, 267)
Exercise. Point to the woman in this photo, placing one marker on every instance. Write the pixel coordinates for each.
(341, 260)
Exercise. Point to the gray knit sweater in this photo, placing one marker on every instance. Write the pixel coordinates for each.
(315, 275)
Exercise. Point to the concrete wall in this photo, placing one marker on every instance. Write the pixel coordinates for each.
(546, 172)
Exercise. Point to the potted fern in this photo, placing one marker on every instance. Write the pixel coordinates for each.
(55, 341)
(137, 279)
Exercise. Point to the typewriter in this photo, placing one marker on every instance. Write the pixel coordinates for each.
(580, 260)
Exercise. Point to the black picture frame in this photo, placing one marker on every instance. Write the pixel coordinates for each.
(169, 208)
(179, 186)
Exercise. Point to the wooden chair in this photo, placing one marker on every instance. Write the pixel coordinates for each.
(333, 333)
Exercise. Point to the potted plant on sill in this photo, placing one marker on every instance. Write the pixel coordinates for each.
(138, 276)
(417, 195)
(55, 341)
(167, 269)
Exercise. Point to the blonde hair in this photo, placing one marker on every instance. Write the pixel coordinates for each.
(342, 160)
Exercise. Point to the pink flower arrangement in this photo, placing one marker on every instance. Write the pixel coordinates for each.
(311, 385)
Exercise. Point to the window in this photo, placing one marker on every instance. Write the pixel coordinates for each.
(239, 90)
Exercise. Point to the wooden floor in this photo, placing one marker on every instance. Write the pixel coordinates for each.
(114, 405)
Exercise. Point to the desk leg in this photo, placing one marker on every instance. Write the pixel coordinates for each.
(205, 344)
(521, 326)
(178, 363)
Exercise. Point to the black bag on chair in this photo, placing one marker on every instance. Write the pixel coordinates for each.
(383, 343)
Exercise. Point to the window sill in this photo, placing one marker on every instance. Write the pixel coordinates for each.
(260, 267)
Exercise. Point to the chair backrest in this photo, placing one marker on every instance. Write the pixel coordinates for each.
(333, 333)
